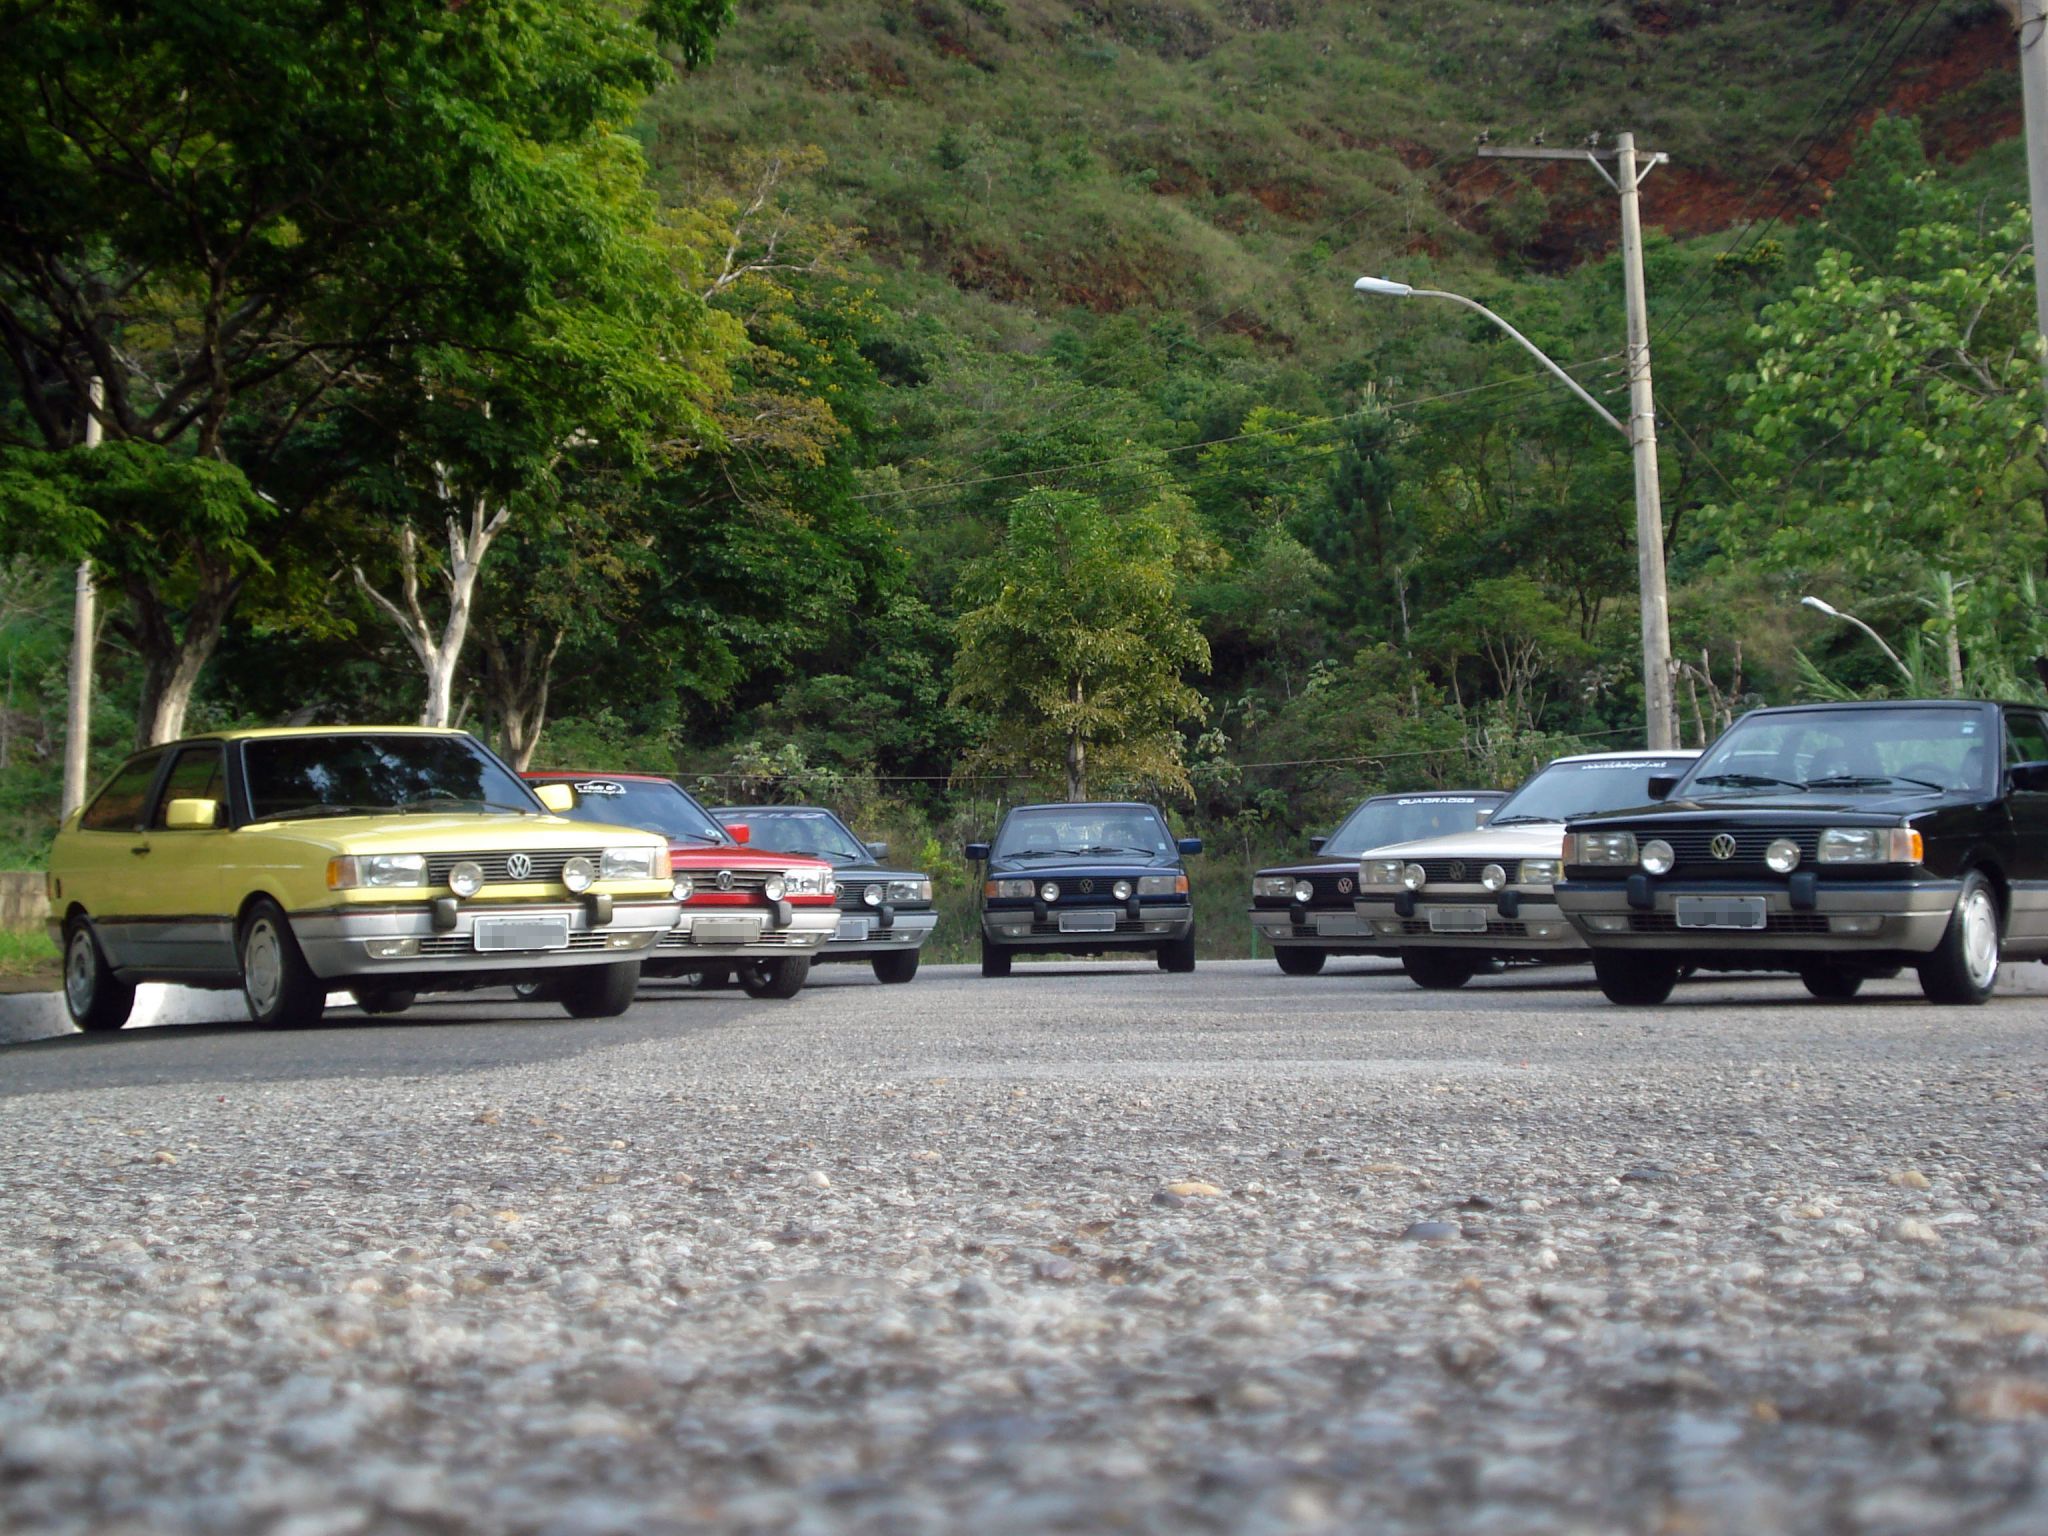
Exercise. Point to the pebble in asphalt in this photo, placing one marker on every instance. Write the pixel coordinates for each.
(1089, 1249)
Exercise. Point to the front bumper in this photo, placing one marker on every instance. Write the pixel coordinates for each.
(1860, 918)
(1333, 930)
(860, 934)
(1024, 928)
(338, 943)
(1516, 922)
(744, 933)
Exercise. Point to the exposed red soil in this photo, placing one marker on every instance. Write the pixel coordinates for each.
(1289, 199)
(856, 65)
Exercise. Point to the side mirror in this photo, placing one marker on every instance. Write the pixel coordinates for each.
(1315, 844)
(559, 798)
(1482, 816)
(977, 853)
(1189, 845)
(2031, 778)
(1661, 785)
(194, 815)
(878, 850)
(740, 831)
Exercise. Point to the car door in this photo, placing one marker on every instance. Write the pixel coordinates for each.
(185, 926)
(101, 861)
(2026, 741)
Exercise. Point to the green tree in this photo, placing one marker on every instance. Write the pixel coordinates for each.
(1076, 645)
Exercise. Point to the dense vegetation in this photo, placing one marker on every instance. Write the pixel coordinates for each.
(918, 405)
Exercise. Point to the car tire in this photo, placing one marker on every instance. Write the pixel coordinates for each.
(597, 991)
(1830, 983)
(1438, 970)
(280, 988)
(782, 977)
(1179, 955)
(98, 1003)
(382, 1000)
(897, 968)
(1964, 966)
(1635, 981)
(1300, 962)
(995, 960)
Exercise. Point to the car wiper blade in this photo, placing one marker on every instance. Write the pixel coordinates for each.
(1035, 853)
(1509, 821)
(436, 804)
(1748, 780)
(307, 812)
(1850, 780)
(1114, 848)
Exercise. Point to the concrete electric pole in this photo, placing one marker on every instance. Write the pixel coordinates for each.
(84, 622)
(1660, 714)
(2030, 24)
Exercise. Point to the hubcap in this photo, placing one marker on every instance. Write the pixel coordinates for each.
(79, 972)
(1980, 937)
(262, 967)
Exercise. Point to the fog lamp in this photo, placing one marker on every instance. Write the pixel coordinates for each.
(1121, 890)
(1658, 856)
(775, 888)
(578, 874)
(466, 878)
(1782, 855)
(1414, 877)
(1050, 891)
(1493, 877)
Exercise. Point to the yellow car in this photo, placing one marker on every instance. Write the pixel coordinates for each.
(381, 860)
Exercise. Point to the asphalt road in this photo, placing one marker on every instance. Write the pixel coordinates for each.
(1092, 1248)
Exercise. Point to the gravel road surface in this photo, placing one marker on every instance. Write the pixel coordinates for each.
(1091, 1249)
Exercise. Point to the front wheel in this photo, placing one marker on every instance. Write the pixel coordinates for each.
(1635, 981)
(1964, 966)
(995, 960)
(1437, 969)
(1831, 983)
(282, 991)
(1179, 955)
(783, 976)
(97, 1003)
(1300, 962)
(598, 991)
(897, 967)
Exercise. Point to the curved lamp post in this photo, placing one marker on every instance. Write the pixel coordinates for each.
(1849, 618)
(1659, 710)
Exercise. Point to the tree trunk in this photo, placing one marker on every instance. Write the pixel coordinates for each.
(469, 540)
(172, 660)
(1077, 755)
(516, 682)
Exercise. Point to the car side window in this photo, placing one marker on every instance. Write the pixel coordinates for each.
(119, 807)
(196, 775)
(2026, 740)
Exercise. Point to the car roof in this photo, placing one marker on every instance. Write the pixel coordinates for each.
(821, 810)
(281, 732)
(1086, 805)
(1862, 704)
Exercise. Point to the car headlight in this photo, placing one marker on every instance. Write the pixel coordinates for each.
(1493, 877)
(802, 882)
(1658, 856)
(466, 878)
(910, 890)
(683, 887)
(1601, 848)
(579, 874)
(1540, 871)
(354, 871)
(1273, 887)
(642, 863)
(1050, 891)
(1303, 892)
(1122, 890)
(1870, 845)
(1381, 872)
(1010, 888)
(1162, 885)
(1414, 876)
(1782, 856)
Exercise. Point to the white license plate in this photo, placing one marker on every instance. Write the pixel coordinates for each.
(521, 933)
(851, 928)
(725, 930)
(1088, 922)
(1342, 925)
(1457, 919)
(1721, 912)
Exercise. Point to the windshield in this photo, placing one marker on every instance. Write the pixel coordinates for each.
(818, 833)
(647, 804)
(1866, 751)
(1567, 789)
(334, 775)
(1128, 831)
(1404, 819)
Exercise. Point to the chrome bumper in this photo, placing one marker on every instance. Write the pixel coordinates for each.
(1018, 928)
(908, 931)
(1536, 926)
(1338, 929)
(718, 934)
(1844, 920)
(337, 943)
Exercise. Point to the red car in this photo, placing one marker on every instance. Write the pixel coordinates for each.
(758, 915)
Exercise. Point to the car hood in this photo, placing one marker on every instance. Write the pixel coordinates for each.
(1068, 869)
(1533, 840)
(385, 832)
(1341, 863)
(867, 874)
(698, 856)
(1776, 809)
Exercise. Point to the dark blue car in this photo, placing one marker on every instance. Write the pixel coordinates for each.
(1086, 879)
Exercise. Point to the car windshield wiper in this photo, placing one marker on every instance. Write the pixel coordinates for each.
(1114, 848)
(1851, 780)
(1509, 821)
(433, 803)
(713, 838)
(1747, 780)
(307, 812)
(1035, 853)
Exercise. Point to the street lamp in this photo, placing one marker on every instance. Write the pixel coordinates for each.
(1833, 612)
(1659, 709)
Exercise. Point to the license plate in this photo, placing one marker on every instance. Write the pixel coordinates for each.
(1342, 925)
(852, 928)
(522, 933)
(1721, 912)
(725, 930)
(1457, 919)
(1088, 922)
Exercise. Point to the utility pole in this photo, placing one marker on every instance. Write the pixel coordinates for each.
(2030, 25)
(84, 621)
(1660, 715)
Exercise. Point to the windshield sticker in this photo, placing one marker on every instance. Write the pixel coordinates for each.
(600, 787)
(1438, 800)
(1629, 764)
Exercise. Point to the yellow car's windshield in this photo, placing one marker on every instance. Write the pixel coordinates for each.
(341, 775)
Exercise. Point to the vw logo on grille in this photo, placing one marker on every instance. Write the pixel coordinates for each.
(1723, 846)
(519, 866)
(1344, 886)
(1457, 870)
(1087, 886)
(725, 879)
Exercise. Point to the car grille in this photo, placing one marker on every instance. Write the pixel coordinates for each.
(1775, 922)
(1689, 847)
(546, 870)
(461, 944)
(1328, 893)
(1052, 929)
(771, 938)
(1495, 929)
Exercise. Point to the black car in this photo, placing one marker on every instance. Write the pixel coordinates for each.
(1840, 841)
(1305, 911)
(885, 914)
(1086, 879)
